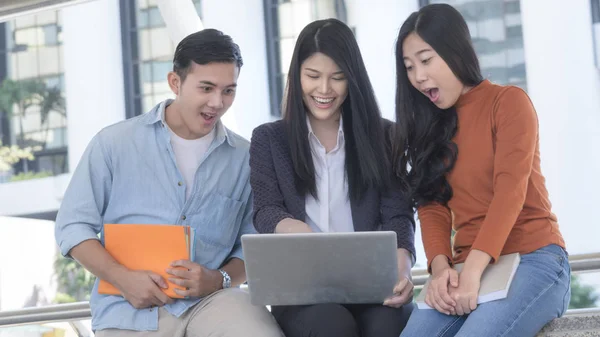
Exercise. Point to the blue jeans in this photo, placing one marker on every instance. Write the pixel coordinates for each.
(540, 292)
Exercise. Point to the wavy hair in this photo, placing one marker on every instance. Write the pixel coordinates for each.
(423, 148)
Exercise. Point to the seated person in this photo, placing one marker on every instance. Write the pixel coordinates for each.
(176, 164)
(474, 157)
(325, 168)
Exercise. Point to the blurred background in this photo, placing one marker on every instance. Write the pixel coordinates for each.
(71, 67)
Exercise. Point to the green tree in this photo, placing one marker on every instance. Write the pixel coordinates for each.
(74, 282)
(51, 100)
(582, 296)
(16, 97)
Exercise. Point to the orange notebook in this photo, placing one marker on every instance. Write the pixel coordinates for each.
(147, 247)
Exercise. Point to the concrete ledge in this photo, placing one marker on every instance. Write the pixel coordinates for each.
(573, 326)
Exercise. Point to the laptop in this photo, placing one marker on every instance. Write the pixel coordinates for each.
(312, 268)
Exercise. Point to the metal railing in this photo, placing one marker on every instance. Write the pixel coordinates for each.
(81, 310)
(47, 314)
(583, 263)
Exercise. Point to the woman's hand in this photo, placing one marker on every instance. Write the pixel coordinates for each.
(438, 295)
(442, 276)
(403, 293)
(289, 225)
(466, 293)
(469, 282)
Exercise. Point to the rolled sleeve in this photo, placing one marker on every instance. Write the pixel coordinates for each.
(80, 215)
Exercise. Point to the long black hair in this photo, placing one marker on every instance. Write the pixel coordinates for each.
(423, 149)
(366, 160)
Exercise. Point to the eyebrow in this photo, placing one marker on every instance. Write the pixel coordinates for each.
(419, 52)
(316, 71)
(214, 85)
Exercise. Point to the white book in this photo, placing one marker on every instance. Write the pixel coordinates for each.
(495, 281)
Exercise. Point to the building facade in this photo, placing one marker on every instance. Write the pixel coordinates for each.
(107, 60)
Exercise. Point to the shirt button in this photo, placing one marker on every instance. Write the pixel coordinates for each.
(179, 183)
(183, 217)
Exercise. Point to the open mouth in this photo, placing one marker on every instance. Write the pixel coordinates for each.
(208, 117)
(323, 102)
(432, 93)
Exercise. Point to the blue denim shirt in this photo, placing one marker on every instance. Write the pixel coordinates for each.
(128, 174)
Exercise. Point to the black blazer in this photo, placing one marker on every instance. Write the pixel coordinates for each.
(275, 195)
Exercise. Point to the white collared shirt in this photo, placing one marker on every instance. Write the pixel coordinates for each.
(332, 211)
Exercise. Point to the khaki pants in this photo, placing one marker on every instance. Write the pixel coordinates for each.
(226, 313)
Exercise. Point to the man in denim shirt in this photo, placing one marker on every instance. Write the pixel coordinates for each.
(179, 165)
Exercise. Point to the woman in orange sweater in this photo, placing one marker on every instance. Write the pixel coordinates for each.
(468, 150)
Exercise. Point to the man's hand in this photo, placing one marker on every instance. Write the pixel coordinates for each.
(143, 289)
(196, 279)
(403, 293)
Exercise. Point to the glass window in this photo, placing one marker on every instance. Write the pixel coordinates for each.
(284, 20)
(50, 34)
(151, 54)
(497, 34)
(37, 114)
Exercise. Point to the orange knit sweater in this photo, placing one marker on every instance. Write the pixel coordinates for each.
(500, 203)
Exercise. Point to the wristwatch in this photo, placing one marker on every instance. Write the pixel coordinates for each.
(226, 279)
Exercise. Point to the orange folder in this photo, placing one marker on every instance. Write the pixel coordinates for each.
(147, 247)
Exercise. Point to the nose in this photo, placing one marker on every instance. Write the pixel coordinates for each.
(420, 74)
(216, 100)
(324, 86)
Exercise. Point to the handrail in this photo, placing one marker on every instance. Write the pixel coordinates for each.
(47, 314)
(582, 312)
(582, 263)
(62, 313)
(81, 310)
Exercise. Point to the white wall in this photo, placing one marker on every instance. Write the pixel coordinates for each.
(180, 17)
(565, 88)
(27, 252)
(95, 98)
(93, 71)
(377, 25)
(33, 196)
(243, 20)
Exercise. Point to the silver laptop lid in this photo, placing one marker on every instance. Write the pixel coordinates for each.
(310, 268)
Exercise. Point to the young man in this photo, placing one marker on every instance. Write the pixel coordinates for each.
(176, 164)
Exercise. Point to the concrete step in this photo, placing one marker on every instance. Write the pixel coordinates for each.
(586, 325)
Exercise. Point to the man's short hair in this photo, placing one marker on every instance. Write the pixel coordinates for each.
(203, 47)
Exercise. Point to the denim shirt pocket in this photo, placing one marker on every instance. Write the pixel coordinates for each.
(217, 224)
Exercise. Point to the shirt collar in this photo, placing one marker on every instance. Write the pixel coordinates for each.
(157, 115)
(340, 128)
(312, 138)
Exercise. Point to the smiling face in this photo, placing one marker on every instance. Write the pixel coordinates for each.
(203, 96)
(430, 74)
(324, 87)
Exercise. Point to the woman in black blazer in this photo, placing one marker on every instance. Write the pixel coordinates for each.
(325, 168)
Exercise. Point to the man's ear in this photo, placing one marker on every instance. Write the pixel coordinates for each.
(174, 82)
